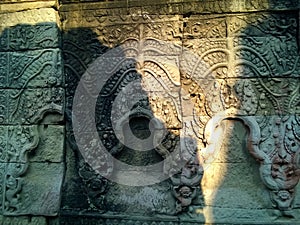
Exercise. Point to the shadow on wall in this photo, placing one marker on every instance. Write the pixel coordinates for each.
(145, 142)
(35, 82)
(252, 117)
(254, 110)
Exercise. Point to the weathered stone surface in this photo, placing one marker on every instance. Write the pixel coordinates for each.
(297, 198)
(220, 77)
(123, 220)
(222, 186)
(13, 6)
(114, 30)
(51, 144)
(13, 1)
(78, 221)
(229, 215)
(31, 69)
(233, 146)
(74, 197)
(28, 17)
(149, 200)
(23, 220)
(197, 27)
(17, 142)
(184, 7)
(232, 180)
(266, 56)
(263, 25)
(223, 73)
(23, 36)
(28, 106)
(38, 193)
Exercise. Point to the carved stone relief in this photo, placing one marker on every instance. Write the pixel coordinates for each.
(241, 67)
(31, 113)
(20, 166)
(198, 67)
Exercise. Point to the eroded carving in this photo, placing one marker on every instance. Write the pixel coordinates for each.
(21, 141)
(280, 170)
(186, 188)
(242, 67)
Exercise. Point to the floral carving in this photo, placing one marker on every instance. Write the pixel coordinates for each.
(22, 140)
(281, 171)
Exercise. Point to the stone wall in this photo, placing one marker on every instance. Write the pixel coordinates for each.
(209, 88)
(32, 102)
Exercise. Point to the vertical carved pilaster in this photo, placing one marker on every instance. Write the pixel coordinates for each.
(280, 169)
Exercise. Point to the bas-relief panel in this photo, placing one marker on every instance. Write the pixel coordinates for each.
(28, 186)
(31, 66)
(230, 56)
(31, 108)
(161, 102)
(27, 36)
(269, 94)
(227, 65)
(231, 69)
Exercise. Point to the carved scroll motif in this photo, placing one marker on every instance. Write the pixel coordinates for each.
(22, 141)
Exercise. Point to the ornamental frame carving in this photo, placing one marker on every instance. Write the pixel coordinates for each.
(283, 164)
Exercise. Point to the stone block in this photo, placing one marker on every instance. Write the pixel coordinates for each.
(29, 17)
(266, 56)
(29, 106)
(30, 36)
(223, 215)
(154, 198)
(31, 69)
(263, 25)
(205, 58)
(276, 95)
(17, 141)
(297, 197)
(23, 1)
(196, 27)
(43, 143)
(3, 168)
(29, 30)
(234, 185)
(71, 220)
(4, 68)
(231, 145)
(166, 28)
(23, 220)
(51, 144)
(36, 193)
(23, 5)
